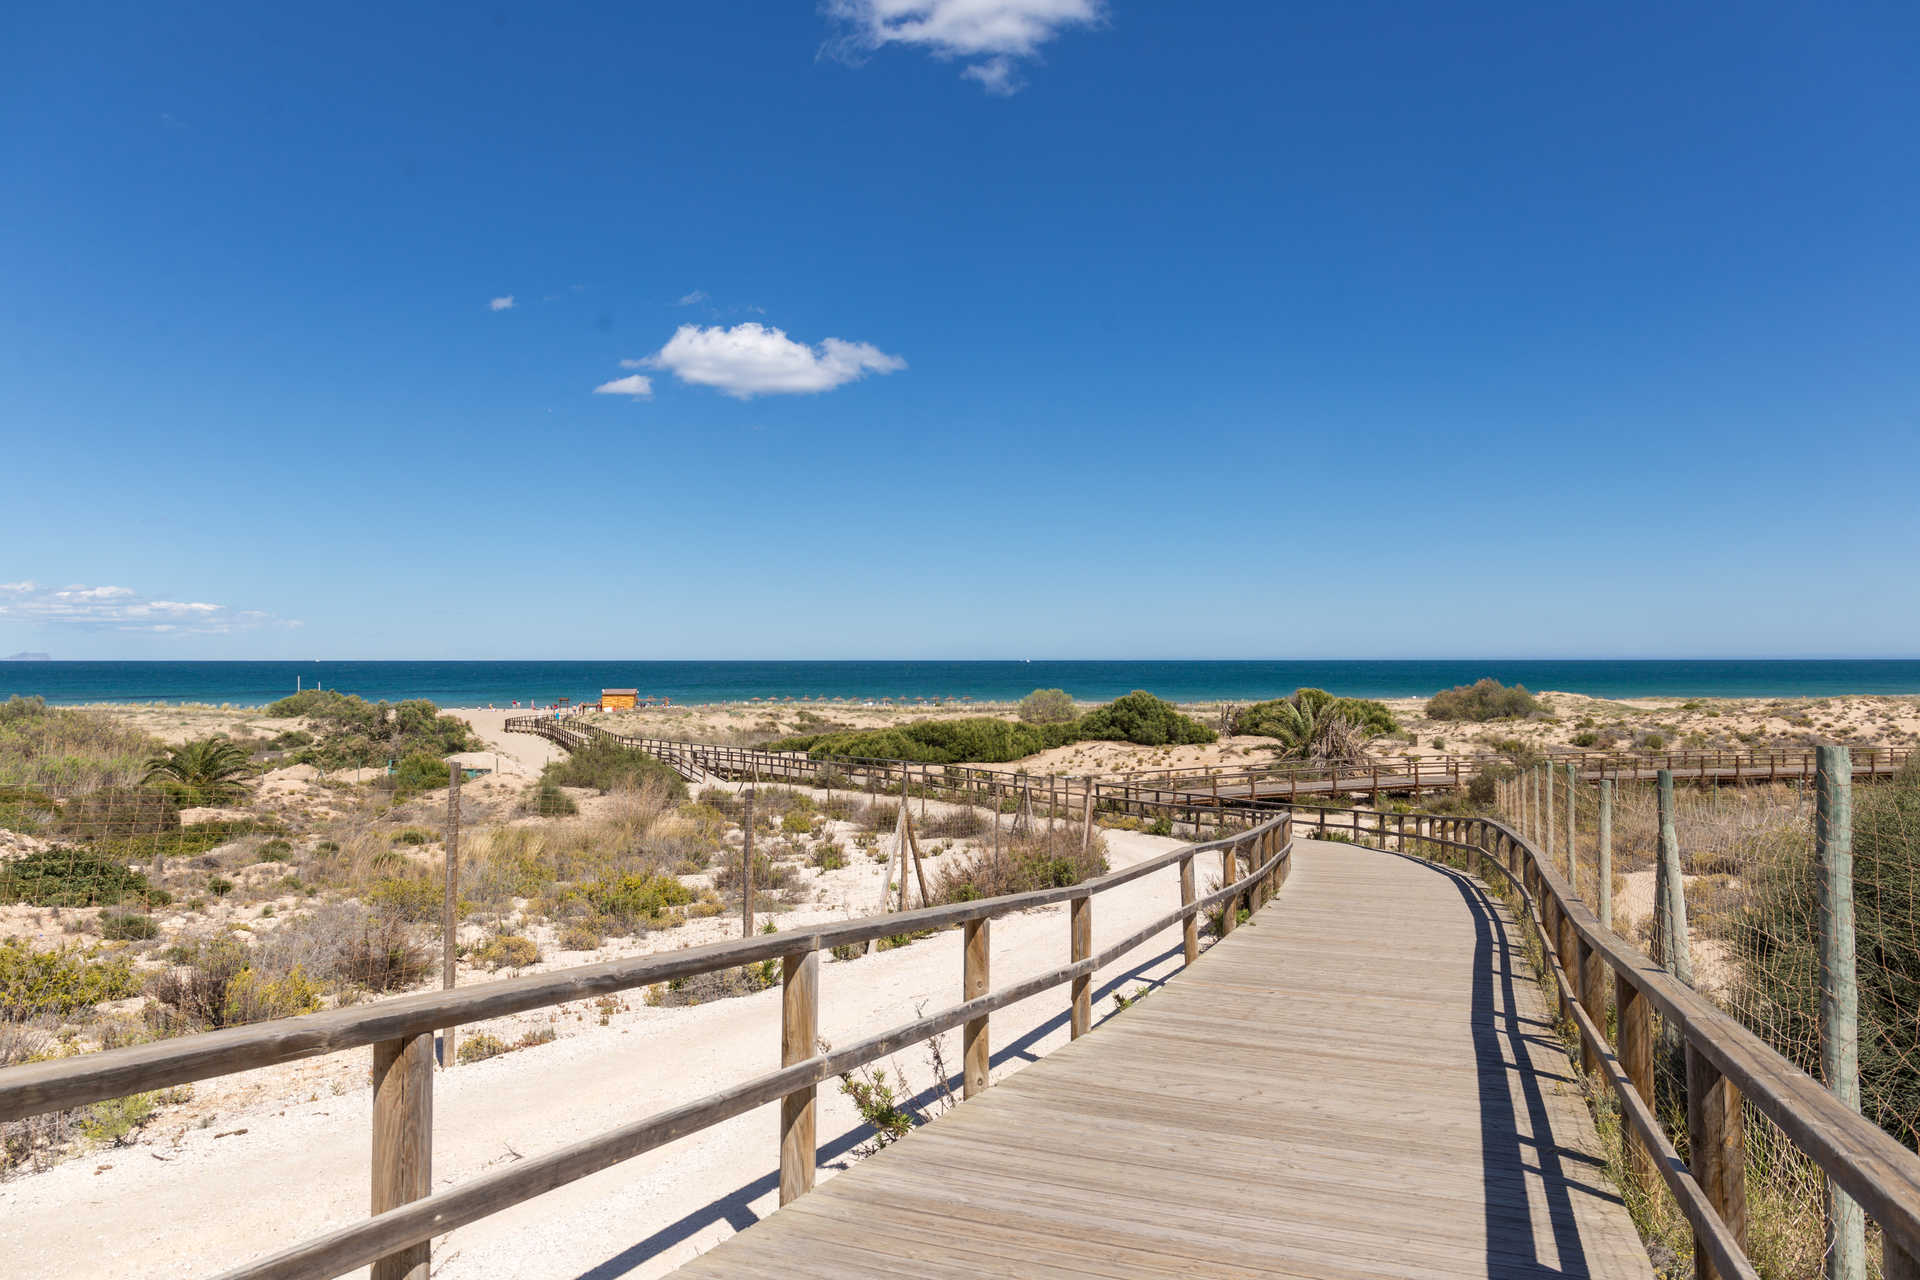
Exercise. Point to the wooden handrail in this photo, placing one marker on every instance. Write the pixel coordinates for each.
(400, 1031)
(1872, 1166)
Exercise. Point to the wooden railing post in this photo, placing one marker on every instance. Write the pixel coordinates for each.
(402, 1141)
(976, 1051)
(799, 1030)
(1716, 1137)
(1593, 998)
(1190, 927)
(1080, 925)
(1229, 872)
(1633, 1037)
(1603, 860)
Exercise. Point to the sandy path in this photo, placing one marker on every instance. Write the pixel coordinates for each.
(300, 1169)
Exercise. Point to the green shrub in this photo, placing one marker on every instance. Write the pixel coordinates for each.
(63, 981)
(419, 772)
(549, 801)
(219, 886)
(973, 739)
(608, 766)
(580, 937)
(354, 733)
(1047, 706)
(637, 897)
(508, 951)
(109, 1123)
(1585, 738)
(215, 983)
(412, 836)
(408, 897)
(796, 823)
(69, 876)
(1145, 720)
(829, 857)
(274, 851)
(479, 1046)
(1484, 699)
(124, 926)
(1024, 866)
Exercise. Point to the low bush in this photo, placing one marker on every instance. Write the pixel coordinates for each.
(354, 733)
(351, 947)
(70, 876)
(1279, 718)
(549, 801)
(216, 984)
(636, 898)
(418, 773)
(1144, 720)
(478, 1046)
(580, 937)
(1047, 706)
(63, 981)
(1484, 699)
(1025, 865)
(608, 766)
(413, 898)
(124, 926)
(508, 951)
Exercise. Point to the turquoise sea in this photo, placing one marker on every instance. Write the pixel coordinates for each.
(470, 684)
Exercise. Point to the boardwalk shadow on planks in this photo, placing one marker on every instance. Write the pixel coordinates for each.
(736, 1207)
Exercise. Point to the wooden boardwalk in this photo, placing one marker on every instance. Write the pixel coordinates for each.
(1362, 1083)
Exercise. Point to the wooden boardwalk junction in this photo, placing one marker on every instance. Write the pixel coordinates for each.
(1303, 1101)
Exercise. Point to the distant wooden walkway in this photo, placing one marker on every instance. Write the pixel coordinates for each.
(1361, 1083)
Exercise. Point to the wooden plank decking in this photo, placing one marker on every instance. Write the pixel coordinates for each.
(1363, 1083)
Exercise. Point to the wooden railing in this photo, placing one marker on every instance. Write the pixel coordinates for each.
(1188, 791)
(408, 1214)
(1725, 1063)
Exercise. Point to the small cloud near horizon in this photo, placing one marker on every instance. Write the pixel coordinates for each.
(639, 386)
(504, 303)
(124, 609)
(991, 36)
(689, 299)
(754, 359)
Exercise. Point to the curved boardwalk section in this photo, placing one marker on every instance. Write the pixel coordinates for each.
(1362, 1083)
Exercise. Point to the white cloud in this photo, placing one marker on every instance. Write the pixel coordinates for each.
(992, 34)
(752, 359)
(639, 386)
(501, 304)
(124, 609)
(688, 299)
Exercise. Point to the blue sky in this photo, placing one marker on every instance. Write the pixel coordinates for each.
(967, 328)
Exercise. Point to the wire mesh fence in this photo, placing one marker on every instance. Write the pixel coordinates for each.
(1754, 906)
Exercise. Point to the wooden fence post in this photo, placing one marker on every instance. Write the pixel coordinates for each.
(450, 905)
(976, 1053)
(1080, 927)
(1086, 834)
(746, 866)
(1716, 1138)
(1670, 892)
(1633, 1038)
(1230, 909)
(403, 1142)
(1604, 858)
(799, 1030)
(1190, 927)
(1573, 876)
(1547, 832)
(1593, 998)
(1839, 989)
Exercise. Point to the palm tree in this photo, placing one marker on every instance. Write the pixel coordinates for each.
(203, 772)
(1311, 727)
